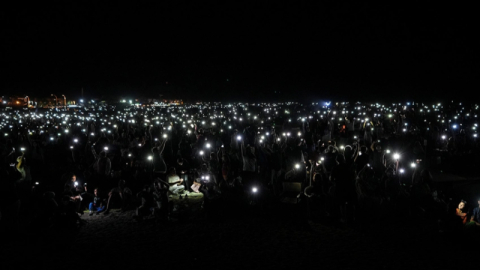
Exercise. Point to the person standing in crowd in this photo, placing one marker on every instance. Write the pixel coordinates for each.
(377, 159)
(343, 178)
(249, 164)
(159, 165)
(9, 201)
(102, 167)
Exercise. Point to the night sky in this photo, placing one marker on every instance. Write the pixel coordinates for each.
(254, 51)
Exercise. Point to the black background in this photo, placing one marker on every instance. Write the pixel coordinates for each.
(241, 51)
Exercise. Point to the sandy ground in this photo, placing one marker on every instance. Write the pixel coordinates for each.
(233, 235)
(262, 236)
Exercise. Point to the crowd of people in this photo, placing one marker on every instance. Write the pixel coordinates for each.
(347, 161)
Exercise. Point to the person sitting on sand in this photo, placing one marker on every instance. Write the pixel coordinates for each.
(71, 183)
(148, 203)
(73, 190)
(96, 204)
(476, 214)
(183, 167)
(123, 193)
(461, 212)
(174, 182)
(70, 217)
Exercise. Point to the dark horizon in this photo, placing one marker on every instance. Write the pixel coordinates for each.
(242, 52)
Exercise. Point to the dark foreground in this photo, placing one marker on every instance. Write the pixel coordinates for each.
(241, 237)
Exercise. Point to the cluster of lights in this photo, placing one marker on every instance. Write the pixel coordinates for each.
(179, 116)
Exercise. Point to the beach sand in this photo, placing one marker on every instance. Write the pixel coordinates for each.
(228, 236)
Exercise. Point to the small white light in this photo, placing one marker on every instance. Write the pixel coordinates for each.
(413, 165)
(254, 190)
(297, 166)
(150, 157)
(239, 138)
(396, 156)
(201, 153)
